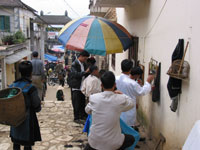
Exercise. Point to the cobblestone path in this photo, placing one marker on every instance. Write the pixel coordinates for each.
(58, 130)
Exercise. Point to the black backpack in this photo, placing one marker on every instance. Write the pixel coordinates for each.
(59, 95)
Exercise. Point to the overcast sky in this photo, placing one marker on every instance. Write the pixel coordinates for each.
(75, 8)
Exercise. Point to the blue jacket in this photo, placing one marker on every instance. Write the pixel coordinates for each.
(28, 132)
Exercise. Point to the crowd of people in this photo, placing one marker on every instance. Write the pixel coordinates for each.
(106, 98)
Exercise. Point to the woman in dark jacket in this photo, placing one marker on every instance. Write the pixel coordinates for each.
(28, 131)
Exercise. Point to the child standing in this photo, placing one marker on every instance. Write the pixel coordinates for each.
(28, 131)
(106, 107)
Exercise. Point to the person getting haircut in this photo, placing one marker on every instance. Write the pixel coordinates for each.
(93, 68)
(136, 71)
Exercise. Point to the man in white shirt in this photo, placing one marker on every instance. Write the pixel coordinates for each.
(106, 107)
(132, 89)
(91, 84)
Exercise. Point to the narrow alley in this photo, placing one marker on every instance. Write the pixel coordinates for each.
(58, 130)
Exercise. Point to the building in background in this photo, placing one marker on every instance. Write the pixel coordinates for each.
(15, 29)
(46, 31)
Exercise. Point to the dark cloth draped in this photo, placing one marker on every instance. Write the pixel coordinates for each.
(156, 90)
(174, 85)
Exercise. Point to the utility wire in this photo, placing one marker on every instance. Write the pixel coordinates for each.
(71, 8)
(156, 19)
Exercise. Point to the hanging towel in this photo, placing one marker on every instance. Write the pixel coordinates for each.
(156, 89)
(174, 85)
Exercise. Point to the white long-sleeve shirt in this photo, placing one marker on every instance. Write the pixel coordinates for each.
(91, 85)
(132, 89)
(105, 131)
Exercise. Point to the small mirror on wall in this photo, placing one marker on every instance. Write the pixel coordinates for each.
(153, 66)
(142, 76)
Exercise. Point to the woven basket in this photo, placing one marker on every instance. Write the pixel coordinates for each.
(12, 110)
(180, 68)
(178, 71)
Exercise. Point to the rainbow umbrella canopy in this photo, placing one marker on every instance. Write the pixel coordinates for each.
(96, 35)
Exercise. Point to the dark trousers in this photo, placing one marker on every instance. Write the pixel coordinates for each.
(128, 141)
(78, 103)
(17, 147)
(62, 82)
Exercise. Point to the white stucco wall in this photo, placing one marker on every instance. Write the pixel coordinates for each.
(25, 16)
(179, 19)
(24, 19)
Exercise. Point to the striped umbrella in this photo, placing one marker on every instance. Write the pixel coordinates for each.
(96, 35)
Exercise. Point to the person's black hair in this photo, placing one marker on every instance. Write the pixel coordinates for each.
(84, 54)
(126, 65)
(136, 71)
(108, 80)
(35, 54)
(25, 68)
(91, 60)
(101, 72)
(92, 68)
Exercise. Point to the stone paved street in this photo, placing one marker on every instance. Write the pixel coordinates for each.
(58, 130)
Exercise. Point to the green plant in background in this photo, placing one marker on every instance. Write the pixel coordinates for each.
(8, 40)
(19, 37)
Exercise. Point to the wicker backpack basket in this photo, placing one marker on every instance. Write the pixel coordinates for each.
(12, 110)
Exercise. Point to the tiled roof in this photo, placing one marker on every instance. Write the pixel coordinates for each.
(10, 3)
(15, 3)
(53, 19)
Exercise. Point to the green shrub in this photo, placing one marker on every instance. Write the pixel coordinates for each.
(8, 40)
(19, 37)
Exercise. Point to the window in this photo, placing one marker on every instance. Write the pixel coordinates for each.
(113, 61)
(5, 23)
(133, 51)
